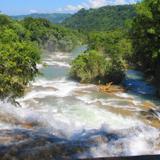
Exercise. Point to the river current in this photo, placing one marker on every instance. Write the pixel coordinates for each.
(102, 124)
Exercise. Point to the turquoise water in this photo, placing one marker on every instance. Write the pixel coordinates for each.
(136, 83)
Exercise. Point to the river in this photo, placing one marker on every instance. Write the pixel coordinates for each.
(79, 116)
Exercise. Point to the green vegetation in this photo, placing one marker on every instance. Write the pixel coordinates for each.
(49, 36)
(93, 67)
(102, 19)
(114, 44)
(20, 44)
(145, 33)
(89, 67)
(105, 59)
(55, 18)
(18, 58)
(111, 46)
(108, 42)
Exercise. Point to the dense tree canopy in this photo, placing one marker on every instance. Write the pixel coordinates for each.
(94, 67)
(49, 36)
(102, 19)
(18, 58)
(89, 67)
(113, 44)
(146, 31)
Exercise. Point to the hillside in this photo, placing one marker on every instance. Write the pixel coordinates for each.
(101, 19)
(53, 17)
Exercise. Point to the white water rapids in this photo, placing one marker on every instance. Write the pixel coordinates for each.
(59, 106)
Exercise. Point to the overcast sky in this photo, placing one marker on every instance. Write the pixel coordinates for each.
(18, 7)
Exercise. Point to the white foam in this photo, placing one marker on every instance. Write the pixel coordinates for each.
(57, 63)
(124, 95)
(39, 66)
(58, 55)
(130, 145)
(141, 143)
(112, 102)
(58, 88)
(86, 99)
(18, 115)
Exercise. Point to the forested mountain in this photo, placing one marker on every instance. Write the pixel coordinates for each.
(53, 17)
(102, 19)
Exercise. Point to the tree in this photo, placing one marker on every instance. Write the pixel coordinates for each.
(113, 44)
(5, 21)
(18, 59)
(93, 67)
(17, 68)
(89, 67)
(107, 18)
(50, 36)
(145, 33)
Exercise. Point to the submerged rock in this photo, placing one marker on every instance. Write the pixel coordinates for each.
(109, 88)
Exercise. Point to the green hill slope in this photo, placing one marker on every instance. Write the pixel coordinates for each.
(53, 17)
(101, 19)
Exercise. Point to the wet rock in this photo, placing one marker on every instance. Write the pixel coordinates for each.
(8, 117)
(30, 145)
(147, 105)
(109, 88)
(28, 125)
(97, 139)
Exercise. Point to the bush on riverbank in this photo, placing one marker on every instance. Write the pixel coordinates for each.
(93, 67)
(105, 59)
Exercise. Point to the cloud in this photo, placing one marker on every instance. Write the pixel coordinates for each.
(33, 11)
(94, 4)
(97, 3)
(120, 1)
(73, 8)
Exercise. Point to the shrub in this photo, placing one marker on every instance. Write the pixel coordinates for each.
(94, 67)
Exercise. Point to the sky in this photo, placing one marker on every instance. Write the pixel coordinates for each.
(19, 7)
